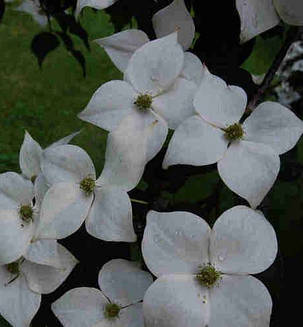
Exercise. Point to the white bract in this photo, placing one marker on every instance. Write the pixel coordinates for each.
(175, 17)
(30, 163)
(17, 216)
(31, 152)
(97, 4)
(20, 219)
(44, 268)
(118, 304)
(33, 8)
(204, 273)
(247, 155)
(76, 194)
(257, 16)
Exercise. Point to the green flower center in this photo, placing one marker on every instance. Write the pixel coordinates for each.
(87, 185)
(14, 267)
(234, 132)
(26, 213)
(208, 276)
(144, 101)
(111, 311)
(33, 178)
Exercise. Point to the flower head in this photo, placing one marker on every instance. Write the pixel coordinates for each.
(208, 276)
(87, 185)
(117, 303)
(26, 213)
(43, 268)
(76, 195)
(203, 273)
(111, 311)
(144, 101)
(233, 132)
(247, 151)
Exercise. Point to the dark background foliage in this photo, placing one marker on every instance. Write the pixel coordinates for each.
(198, 190)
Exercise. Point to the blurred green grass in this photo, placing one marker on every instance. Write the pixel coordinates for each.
(45, 101)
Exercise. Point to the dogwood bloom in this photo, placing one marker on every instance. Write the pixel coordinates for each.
(44, 268)
(76, 194)
(175, 17)
(30, 160)
(97, 4)
(119, 303)
(29, 265)
(204, 274)
(247, 154)
(33, 8)
(151, 98)
(16, 216)
(257, 16)
(31, 152)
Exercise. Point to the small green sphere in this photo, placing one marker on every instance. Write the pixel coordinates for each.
(234, 132)
(14, 267)
(87, 185)
(208, 276)
(144, 101)
(111, 311)
(26, 213)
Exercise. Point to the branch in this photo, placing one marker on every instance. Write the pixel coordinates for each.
(292, 35)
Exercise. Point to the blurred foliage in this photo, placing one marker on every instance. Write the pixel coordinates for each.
(46, 101)
(263, 54)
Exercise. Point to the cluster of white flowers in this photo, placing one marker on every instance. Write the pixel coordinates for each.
(203, 274)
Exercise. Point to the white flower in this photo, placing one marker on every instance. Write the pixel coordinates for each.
(150, 99)
(76, 194)
(33, 8)
(257, 16)
(43, 263)
(247, 154)
(17, 216)
(97, 4)
(44, 268)
(30, 163)
(204, 273)
(118, 303)
(175, 17)
(31, 152)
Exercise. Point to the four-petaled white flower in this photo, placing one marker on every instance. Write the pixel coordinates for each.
(17, 216)
(44, 267)
(204, 273)
(257, 16)
(29, 265)
(30, 162)
(151, 98)
(118, 304)
(247, 154)
(76, 194)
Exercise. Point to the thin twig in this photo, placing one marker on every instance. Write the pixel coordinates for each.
(291, 37)
(139, 201)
